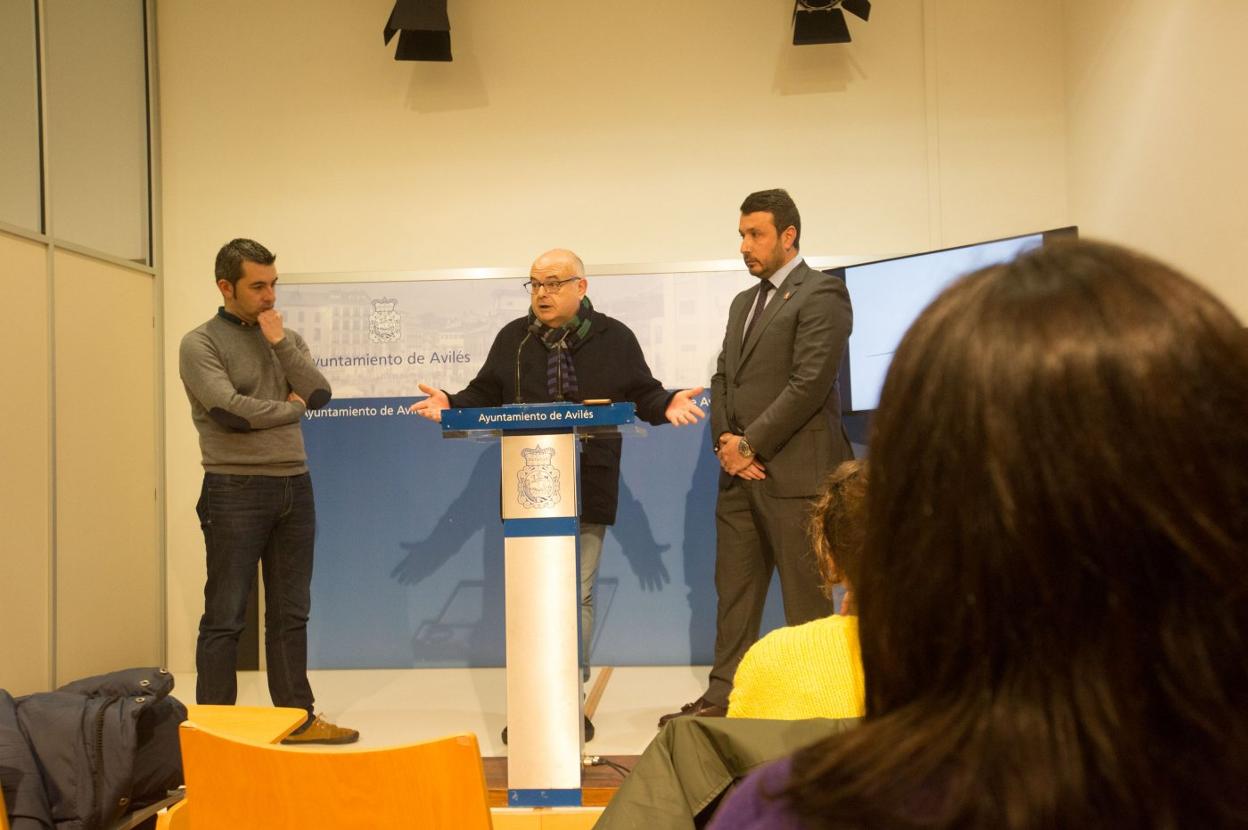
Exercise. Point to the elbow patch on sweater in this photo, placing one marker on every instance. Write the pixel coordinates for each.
(229, 420)
(319, 398)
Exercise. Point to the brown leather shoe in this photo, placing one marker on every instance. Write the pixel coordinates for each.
(700, 708)
(321, 731)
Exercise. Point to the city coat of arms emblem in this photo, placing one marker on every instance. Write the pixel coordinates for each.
(384, 323)
(538, 479)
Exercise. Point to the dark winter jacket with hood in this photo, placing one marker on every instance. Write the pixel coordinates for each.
(84, 755)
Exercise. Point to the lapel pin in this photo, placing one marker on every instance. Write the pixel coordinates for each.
(788, 294)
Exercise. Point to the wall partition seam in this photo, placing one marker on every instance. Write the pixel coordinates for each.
(24, 233)
(148, 80)
(49, 276)
(156, 255)
(40, 116)
(112, 259)
(45, 181)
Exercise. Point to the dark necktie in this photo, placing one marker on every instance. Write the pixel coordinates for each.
(763, 288)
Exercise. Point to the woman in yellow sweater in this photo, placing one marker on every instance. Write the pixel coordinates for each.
(814, 670)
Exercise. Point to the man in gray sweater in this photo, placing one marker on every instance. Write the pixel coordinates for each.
(249, 381)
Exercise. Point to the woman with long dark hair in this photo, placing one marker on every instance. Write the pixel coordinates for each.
(1053, 594)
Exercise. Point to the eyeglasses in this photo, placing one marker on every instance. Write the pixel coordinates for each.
(551, 287)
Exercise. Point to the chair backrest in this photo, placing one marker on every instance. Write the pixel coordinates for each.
(4, 812)
(242, 785)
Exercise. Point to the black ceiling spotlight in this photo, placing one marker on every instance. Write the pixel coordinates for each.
(822, 21)
(424, 30)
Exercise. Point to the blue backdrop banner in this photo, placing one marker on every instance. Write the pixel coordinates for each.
(409, 569)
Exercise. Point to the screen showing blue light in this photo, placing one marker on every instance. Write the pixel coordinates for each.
(888, 296)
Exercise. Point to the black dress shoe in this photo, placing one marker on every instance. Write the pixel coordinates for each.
(589, 731)
(700, 708)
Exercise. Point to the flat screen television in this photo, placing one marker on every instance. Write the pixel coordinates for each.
(888, 295)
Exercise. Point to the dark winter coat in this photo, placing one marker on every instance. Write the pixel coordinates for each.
(609, 364)
(84, 755)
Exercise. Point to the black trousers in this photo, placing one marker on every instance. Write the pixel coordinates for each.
(756, 534)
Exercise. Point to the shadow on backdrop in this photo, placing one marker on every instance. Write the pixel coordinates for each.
(468, 627)
(644, 554)
(636, 537)
(409, 559)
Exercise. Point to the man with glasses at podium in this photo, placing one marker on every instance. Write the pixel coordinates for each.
(566, 350)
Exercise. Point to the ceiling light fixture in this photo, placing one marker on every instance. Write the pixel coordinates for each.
(822, 21)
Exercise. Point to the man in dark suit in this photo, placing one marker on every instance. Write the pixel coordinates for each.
(776, 422)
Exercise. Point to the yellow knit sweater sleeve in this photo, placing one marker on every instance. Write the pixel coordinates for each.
(812, 670)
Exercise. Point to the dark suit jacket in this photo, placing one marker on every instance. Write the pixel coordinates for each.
(780, 387)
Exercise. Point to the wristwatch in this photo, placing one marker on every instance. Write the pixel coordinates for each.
(743, 447)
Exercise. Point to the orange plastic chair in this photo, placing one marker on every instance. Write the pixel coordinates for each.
(243, 785)
(4, 813)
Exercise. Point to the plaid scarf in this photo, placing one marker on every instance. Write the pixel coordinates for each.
(561, 382)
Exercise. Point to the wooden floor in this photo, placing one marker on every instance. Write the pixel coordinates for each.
(395, 706)
(598, 783)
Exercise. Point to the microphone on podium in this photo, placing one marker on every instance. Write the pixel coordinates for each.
(534, 328)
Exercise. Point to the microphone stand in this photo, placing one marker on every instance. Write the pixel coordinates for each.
(534, 328)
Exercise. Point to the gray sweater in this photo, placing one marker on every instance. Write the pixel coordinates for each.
(238, 386)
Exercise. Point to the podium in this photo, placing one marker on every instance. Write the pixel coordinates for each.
(540, 501)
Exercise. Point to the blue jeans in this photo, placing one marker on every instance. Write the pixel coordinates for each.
(250, 519)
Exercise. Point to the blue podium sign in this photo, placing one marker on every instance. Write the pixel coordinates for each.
(541, 417)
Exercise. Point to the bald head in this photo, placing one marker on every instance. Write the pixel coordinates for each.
(562, 277)
(565, 262)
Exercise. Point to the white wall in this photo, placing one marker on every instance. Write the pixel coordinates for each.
(627, 131)
(81, 554)
(1158, 124)
(80, 591)
(108, 603)
(25, 476)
